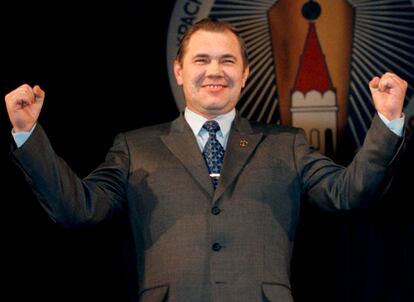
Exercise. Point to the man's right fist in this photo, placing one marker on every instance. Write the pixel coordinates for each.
(23, 106)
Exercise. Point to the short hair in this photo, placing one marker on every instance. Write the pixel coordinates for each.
(211, 25)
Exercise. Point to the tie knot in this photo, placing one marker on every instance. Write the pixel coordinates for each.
(211, 126)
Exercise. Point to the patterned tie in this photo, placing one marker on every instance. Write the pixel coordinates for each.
(213, 152)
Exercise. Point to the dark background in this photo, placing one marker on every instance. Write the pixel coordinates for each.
(103, 67)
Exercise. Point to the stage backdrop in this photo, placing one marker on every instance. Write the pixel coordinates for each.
(311, 61)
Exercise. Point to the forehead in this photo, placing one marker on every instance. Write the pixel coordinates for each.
(210, 42)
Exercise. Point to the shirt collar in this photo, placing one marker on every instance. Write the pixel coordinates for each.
(197, 121)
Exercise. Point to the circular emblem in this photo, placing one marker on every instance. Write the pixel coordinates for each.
(309, 60)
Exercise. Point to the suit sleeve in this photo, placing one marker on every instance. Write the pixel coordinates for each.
(68, 199)
(364, 180)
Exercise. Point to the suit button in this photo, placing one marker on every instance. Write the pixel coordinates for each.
(216, 247)
(215, 210)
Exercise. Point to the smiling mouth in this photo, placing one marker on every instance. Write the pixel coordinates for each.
(214, 86)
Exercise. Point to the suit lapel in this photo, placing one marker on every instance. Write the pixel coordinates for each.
(182, 143)
(241, 144)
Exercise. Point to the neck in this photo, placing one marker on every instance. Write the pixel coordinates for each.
(209, 115)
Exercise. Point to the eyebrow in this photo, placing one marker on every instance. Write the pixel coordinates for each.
(225, 56)
(201, 55)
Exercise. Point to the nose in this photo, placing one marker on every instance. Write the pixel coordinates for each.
(214, 69)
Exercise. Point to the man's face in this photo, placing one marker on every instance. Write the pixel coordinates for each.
(211, 73)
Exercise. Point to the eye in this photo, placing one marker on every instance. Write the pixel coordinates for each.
(228, 61)
(200, 60)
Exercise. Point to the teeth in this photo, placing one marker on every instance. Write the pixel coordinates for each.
(214, 86)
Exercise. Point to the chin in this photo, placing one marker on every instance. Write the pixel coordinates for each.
(216, 109)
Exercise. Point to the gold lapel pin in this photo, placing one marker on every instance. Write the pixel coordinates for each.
(243, 143)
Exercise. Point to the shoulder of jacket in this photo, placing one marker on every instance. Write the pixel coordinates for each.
(274, 129)
(148, 131)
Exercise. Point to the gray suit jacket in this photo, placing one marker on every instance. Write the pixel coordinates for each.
(194, 243)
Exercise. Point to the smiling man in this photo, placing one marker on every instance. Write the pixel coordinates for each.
(213, 199)
(212, 74)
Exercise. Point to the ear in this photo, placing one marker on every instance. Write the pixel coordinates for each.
(245, 76)
(178, 72)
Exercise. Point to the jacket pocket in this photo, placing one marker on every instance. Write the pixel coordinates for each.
(154, 294)
(274, 292)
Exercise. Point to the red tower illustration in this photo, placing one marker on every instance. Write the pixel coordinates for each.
(312, 47)
(313, 99)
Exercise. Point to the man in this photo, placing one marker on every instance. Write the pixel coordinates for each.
(201, 232)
